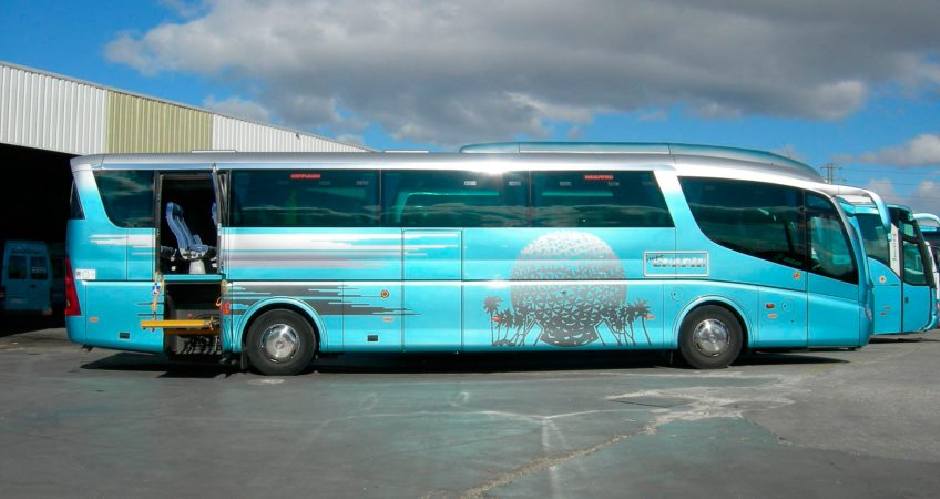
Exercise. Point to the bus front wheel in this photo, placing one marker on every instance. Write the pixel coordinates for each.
(280, 343)
(711, 338)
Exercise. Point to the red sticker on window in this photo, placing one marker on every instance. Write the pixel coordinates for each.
(593, 177)
(305, 176)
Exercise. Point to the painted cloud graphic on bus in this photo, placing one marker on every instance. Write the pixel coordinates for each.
(566, 315)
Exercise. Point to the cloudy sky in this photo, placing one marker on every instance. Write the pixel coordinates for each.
(856, 82)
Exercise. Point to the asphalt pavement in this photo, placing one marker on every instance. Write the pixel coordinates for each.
(836, 423)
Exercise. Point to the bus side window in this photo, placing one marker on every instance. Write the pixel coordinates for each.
(127, 197)
(304, 198)
(454, 199)
(913, 266)
(830, 251)
(598, 199)
(757, 219)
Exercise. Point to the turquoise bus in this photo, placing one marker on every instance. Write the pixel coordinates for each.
(271, 259)
(904, 287)
(929, 225)
(901, 294)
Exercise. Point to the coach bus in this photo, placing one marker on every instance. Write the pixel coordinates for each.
(904, 287)
(901, 295)
(929, 225)
(270, 259)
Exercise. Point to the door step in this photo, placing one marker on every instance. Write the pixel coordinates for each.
(183, 326)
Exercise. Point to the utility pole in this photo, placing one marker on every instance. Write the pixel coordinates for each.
(831, 169)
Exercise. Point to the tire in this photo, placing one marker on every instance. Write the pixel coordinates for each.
(711, 338)
(280, 342)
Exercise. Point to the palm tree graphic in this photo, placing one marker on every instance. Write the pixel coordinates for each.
(621, 321)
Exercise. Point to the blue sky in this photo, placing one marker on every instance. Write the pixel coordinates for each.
(862, 91)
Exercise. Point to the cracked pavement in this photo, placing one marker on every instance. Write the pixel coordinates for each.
(835, 423)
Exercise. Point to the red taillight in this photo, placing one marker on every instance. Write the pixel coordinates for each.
(72, 308)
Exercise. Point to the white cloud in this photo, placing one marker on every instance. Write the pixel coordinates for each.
(459, 71)
(238, 108)
(925, 197)
(921, 150)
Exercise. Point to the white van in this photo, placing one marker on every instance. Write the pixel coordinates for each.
(25, 278)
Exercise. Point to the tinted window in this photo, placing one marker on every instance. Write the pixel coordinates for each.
(598, 199)
(127, 197)
(913, 249)
(38, 269)
(75, 205)
(761, 220)
(914, 272)
(304, 198)
(933, 238)
(454, 199)
(17, 267)
(830, 251)
(875, 237)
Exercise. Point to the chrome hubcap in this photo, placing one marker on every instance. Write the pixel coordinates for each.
(711, 337)
(279, 342)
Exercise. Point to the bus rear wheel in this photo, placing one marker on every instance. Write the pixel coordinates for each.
(280, 343)
(711, 338)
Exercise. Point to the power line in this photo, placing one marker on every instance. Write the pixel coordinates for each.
(889, 171)
(831, 169)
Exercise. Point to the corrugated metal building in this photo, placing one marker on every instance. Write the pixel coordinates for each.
(55, 113)
(46, 119)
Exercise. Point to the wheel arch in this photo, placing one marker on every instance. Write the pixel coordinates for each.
(719, 301)
(256, 310)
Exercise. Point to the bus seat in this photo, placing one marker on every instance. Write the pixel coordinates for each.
(190, 246)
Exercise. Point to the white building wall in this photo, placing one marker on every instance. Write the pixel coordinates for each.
(45, 112)
(57, 113)
(244, 136)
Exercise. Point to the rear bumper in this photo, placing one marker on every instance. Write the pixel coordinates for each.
(75, 327)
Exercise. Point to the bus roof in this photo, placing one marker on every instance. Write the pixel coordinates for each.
(683, 164)
(928, 222)
(777, 161)
(903, 208)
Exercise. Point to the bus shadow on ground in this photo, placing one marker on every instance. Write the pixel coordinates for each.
(489, 363)
(894, 340)
(142, 362)
(19, 324)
